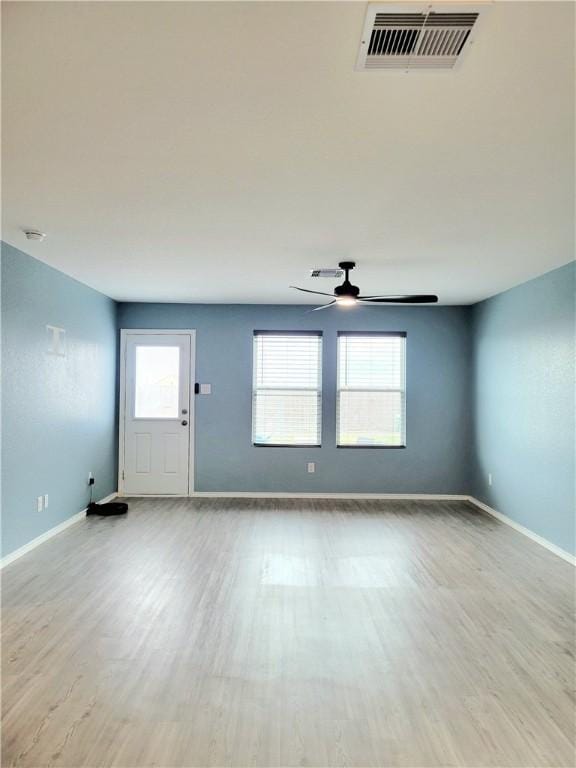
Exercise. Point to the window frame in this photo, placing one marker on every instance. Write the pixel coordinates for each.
(397, 334)
(319, 389)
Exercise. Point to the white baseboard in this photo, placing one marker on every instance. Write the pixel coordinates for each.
(367, 496)
(49, 534)
(525, 531)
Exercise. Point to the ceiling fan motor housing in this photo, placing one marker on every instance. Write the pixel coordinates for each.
(347, 289)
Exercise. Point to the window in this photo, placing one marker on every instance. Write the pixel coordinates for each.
(371, 400)
(157, 382)
(287, 388)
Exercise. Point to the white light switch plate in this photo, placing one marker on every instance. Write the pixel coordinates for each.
(39, 503)
(311, 467)
(45, 501)
(205, 389)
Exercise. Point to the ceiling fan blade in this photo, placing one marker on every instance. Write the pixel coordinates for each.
(324, 306)
(305, 290)
(417, 299)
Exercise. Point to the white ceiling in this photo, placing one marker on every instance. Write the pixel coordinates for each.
(215, 152)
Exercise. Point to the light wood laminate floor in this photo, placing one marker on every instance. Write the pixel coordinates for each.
(236, 632)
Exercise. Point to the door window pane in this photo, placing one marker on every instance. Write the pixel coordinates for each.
(157, 382)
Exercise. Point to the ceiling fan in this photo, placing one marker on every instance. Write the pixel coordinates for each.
(348, 295)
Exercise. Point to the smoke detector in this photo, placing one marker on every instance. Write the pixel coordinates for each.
(34, 234)
(415, 36)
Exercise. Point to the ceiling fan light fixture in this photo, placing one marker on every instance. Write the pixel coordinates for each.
(348, 295)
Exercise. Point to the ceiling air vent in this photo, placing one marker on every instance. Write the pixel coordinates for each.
(415, 38)
(326, 272)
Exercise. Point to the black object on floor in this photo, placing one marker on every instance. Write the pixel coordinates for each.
(106, 510)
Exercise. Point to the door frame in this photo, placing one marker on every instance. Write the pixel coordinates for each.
(124, 334)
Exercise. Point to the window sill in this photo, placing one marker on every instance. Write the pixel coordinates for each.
(286, 445)
(372, 447)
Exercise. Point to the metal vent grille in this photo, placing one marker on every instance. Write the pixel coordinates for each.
(326, 272)
(426, 39)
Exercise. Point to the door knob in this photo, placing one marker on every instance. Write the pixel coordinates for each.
(184, 423)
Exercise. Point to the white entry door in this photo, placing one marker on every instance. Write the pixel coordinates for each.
(157, 414)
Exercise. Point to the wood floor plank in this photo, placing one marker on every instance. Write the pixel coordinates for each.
(266, 632)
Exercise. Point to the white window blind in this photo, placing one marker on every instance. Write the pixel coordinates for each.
(287, 388)
(371, 400)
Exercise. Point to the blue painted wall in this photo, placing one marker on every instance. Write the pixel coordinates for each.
(436, 459)
(58, 413)
(524, 404)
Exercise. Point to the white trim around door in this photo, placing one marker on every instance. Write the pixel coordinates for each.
(125, 334)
